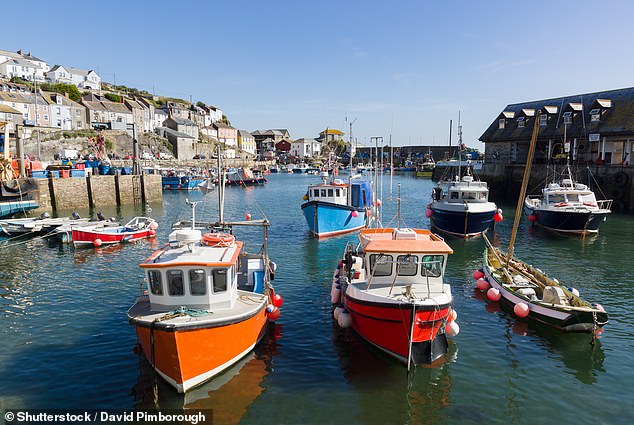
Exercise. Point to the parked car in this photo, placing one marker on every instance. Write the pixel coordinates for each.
(147, 155)
(200, 156)
(164, 155)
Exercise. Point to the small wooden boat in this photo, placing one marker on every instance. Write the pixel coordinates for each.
(33, 226)
(527, 290)
(393, 293)
(101, 234)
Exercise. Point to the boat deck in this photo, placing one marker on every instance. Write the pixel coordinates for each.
(246, 304)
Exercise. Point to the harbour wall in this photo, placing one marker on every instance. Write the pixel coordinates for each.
(607, 181)
(96, 191)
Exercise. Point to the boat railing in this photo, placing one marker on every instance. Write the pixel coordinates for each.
(605, 204)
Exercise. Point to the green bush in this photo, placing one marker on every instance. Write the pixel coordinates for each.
(113, 97)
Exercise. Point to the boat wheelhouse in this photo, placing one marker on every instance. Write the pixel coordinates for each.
(461, 207)
(336, 207)
(394, 294)
(205, 307)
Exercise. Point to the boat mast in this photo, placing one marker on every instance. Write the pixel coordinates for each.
(391, 165)
(221, 188)
(520, 200)
(459, 147)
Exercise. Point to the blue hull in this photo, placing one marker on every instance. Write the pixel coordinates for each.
(8, 208)
(326, 219)
(181, 183)
(453, 222)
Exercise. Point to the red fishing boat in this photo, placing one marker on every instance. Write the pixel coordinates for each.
(105, 234)
(392, 292)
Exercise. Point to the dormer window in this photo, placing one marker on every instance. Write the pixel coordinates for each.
(501, 123)
(520, 122)
(543, 120)
(595, 115)
(567, 118)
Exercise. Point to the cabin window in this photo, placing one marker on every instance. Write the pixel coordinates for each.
(381, 265)
(315, 192)
(573, 197)
(197, 282)
(175, 282)
(453, 195)
(330, 193)
(220, 280)
(154, 280)
(407, 265)
(482, 196)
(323, 193)
(432, 265)
(556, 198)
(468, 195)
(338, 192)
(501, 123)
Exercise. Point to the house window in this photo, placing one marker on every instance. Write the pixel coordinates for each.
(501, 123)
(543, 120)
(520, 122)
(45, 117)
(567, 118)
(595, 115)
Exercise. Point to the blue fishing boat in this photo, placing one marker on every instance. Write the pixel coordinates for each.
(9, 208)
(181, 182)
(338, 207)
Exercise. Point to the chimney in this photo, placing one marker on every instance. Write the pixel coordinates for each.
(20, 52)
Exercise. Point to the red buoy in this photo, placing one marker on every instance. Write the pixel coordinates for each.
(478, 274)
(274, 314)
(532, 218)
(354, 213)
(278, 300)
(482, 284)
(494, 294)
(248, 216)
(521, 309)
(97, 242)
(497, 217)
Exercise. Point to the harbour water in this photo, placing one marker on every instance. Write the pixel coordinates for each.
(65, 341)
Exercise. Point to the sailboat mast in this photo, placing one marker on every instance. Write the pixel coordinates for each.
(520, 200)
(391, 165)
(459, 146)
(221, 188)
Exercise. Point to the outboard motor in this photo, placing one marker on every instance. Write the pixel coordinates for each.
(75, 216)
(100, 216)
(44, 215)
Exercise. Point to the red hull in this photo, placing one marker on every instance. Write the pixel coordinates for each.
(88, 238)
(388, 325)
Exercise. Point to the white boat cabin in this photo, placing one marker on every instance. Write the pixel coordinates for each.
(569, 193)
(334, 193)
(460, 191)
(200, 271)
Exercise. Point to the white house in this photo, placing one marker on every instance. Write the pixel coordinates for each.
(21, 68)
(59, 74)
(64, 113)
(305, 147)
(89, 80)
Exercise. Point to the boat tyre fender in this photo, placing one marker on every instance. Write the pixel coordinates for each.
(217, 239)
(620, 179)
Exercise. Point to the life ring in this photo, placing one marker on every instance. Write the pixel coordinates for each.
(217, 239)
(620, 179)
(561, 204)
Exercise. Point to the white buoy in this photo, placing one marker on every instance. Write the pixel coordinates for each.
(337, 312)
(345, 320)
(335, 293)
(452, 329)
(574, 292)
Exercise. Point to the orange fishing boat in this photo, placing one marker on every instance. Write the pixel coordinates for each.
(207, 302)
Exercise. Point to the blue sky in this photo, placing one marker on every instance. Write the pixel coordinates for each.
(400, 68)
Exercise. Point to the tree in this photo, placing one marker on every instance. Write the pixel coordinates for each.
(225, 120)
(200, 104)
(113, 97)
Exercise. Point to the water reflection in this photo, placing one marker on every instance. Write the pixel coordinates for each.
(581, 354)
(387, 393)
(229, 395)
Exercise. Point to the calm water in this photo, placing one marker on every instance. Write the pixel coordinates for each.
(65, 340)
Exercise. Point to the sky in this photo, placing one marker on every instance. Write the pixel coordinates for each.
(399, 70)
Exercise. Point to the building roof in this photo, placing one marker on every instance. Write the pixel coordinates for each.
(331, 131)
(176, 133)
(10, 54)
(8, 110)
(616, 118)
(244, 133)
(52, 99)
(21, 62)
(30, 57)
(221, 125)
(13, 97)
(182, 121)
(304, 140)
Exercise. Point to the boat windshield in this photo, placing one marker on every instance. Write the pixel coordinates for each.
(432, 265)
(556, 198)
(381, 264)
